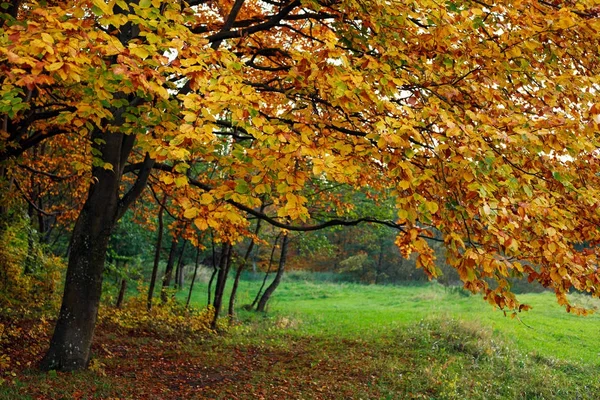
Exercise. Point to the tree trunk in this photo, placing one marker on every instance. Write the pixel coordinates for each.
(156, 253)
(258, 294)
(187, 303)
(168, 270)
(121, 293)
(72, 339)
(267, 294)
(224, 265)
(179, 270)
(214, 271)
(240, 269)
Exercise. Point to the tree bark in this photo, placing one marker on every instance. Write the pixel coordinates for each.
(267, 294)
(187, 303)
(259, 293)
(214, 271)
(72, 339)
(157, 251)
(240, 269)
(224, 266)
(179, 270)
(121, 293)
(168, 270)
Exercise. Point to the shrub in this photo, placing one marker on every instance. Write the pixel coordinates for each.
(29, 274)
(170, 319)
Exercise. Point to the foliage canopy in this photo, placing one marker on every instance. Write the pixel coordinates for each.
(480, 120)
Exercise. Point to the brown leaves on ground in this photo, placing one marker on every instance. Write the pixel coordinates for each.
(142, 365)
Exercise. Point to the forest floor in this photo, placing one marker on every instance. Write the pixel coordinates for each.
(332, 341)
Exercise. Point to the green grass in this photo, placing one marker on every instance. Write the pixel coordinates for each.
(427, 341)
(348, 310)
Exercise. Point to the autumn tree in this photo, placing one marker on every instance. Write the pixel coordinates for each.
(480, 119)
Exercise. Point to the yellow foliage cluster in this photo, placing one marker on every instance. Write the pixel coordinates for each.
(168, 319)
(29, 277)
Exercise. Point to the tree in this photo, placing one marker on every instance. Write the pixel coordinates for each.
(262, 303)
(479, 119)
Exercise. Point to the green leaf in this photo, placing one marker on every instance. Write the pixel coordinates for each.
(241, 186)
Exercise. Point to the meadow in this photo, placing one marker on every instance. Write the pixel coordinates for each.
(335, 340)
(443, 342)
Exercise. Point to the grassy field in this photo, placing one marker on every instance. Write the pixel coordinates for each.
(323, 340)
(369, 311)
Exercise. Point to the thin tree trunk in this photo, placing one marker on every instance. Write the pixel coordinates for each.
(240, 269)
(221, 280)
(267, 294)
(179, 270)
(121, 293)
(187, 303)
(214, 272)
(266, 273)
(157, 250)
(168, 270)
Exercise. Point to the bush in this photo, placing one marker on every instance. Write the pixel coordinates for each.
(29, 275)
(170, 319)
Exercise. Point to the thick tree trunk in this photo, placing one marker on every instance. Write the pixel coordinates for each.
(224, 265)
(72, 339)
(156, 253)
(267, 294)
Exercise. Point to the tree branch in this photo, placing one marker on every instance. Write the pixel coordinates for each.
(268, 24)
(129, 198)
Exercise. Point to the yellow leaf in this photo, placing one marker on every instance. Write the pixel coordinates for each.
(432, 206)
(181, 181)
(402, 214)
(206, 199)
(47, 38)
(139, 51)
(106, 8)
(54, 66)
(201, 224)
(190, 213)
(159, 89)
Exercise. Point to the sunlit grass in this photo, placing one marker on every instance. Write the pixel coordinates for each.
(352, 310)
